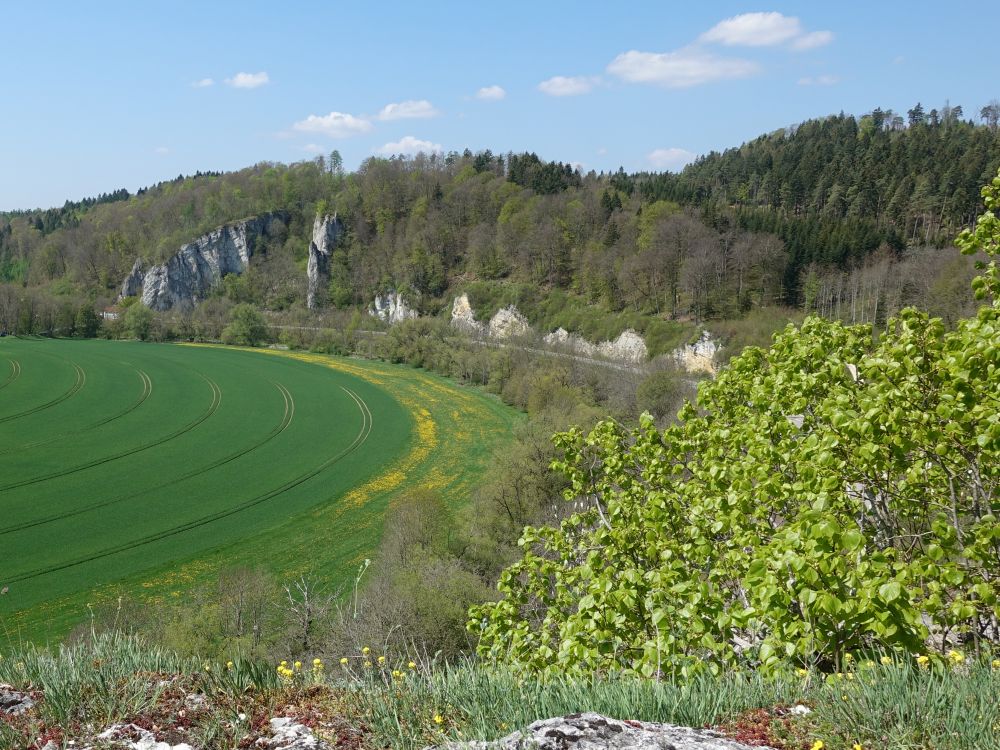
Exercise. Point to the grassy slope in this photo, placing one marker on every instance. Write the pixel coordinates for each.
(236, 488)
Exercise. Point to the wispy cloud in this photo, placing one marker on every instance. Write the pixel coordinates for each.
(670, 158)
(248, 80)
(765, 30)
(334, 125)
(681, 69)
(202, 83)
(824, 80)
(408, 110)
(408, 145)
(491, 93)
(568, 85)
(314, 148)
(161, 150)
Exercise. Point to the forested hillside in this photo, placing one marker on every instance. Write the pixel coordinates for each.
(840, 215)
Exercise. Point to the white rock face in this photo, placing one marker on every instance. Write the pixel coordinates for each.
(199, 266)
(462, 316)
(288, 735)
(392, 308)
(699, 356)
(508, 323)
(572, 342)
(120, 734)
(592, 731)
(326, 232)
(629, 347)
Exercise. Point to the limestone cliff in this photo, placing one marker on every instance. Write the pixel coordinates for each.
(188, 276)
(326, 232)
(392, 308)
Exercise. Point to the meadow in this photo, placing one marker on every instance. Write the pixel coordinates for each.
(144, 469)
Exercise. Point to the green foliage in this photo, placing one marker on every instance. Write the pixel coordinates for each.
(139, 322)
(87, 323)
(827, 496)
(247, 326)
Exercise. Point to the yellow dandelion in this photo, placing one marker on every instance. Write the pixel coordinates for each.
(817, 745)
(857, 746)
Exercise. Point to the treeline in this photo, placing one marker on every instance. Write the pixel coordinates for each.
(734, 232)
(917, 178)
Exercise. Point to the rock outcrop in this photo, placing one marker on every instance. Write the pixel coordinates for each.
(198, 266)
(628, 347)
(14, 702)
(287, 734)
(699, 356)
(592, 731)
(462, 316)
(508, 323)
(391, 308)
(326, 232)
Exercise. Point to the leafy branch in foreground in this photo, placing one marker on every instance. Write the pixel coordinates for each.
(826, 496)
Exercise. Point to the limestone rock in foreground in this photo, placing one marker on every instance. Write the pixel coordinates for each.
(289, 735)
(13, 702)
(592, 731)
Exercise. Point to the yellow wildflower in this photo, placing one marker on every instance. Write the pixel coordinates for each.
(923, 660)
(317, 662)
(848, 657)
(381, 660)
(439, 719)
(298, 665)
(886, 660)
(413, 665)
(995, 663)
(857, 746)
(343, 660)
(802, 672)
(368, 664)
(365, 651)
(817, 745)
(956, 656)
(229, 665)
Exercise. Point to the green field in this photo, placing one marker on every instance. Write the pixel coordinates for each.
(147, 468)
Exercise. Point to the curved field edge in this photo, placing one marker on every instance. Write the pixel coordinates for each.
(456, 431)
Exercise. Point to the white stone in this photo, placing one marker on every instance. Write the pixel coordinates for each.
(699, 356)
(391, 308)
(508, 323)
(462, 316)
(592, 731)
(629, 347)
(326, 232)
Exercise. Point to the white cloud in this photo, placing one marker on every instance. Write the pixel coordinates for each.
(491, 93)
(824, 80)
(334, 125)
(162, 150)
(409, 145)
(567, 85)
(680, 69)
(754, 30)
(314, 148)
(203, 83)
(670, 158)
(408, 110)
(812, 40)
(248, 80)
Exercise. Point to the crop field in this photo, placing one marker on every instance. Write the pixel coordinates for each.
(145, 469)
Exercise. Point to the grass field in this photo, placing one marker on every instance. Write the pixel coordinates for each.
(145, 468)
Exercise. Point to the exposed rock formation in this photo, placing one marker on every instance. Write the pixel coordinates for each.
(595, 732)
(572, 342)
(699, 356)
(326, 232)
(14, 702)
(463, 317)
(287, 734)
(197, 267)
(392, 308)
(508, 323)
(629, 347)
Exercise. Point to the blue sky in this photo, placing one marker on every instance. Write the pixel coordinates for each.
(107, 95)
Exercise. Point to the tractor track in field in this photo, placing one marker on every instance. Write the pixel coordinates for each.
(283, 425)
(362, 436)
(147, 389)
(213, 407)
(81, 380)
(15, 372)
